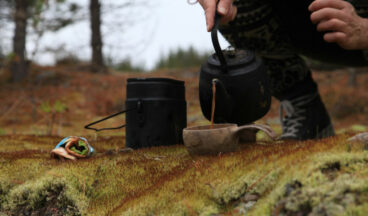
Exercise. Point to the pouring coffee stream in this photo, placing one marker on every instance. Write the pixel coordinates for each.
(213, 101)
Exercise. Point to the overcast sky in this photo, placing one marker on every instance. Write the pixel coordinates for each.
(169, 24)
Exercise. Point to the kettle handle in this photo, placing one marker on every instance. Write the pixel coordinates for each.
(216, 44)
(88, 127)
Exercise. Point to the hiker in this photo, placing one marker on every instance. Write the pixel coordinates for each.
(333, 31)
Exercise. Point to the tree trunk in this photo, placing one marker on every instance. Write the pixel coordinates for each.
(19, 65)
(96, 38)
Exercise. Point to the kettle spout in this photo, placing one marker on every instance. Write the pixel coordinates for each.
(224, 102)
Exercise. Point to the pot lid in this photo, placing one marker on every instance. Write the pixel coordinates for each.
(233, 57)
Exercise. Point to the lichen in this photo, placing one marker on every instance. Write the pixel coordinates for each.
(231, 191)
(323, 195)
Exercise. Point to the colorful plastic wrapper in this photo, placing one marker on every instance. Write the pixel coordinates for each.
(72, 148)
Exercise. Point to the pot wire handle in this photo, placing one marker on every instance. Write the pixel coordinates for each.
(216, 44)
(88, 127)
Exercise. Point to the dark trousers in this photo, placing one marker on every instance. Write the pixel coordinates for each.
(280, 31)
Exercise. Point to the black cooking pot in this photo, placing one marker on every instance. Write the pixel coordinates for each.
(156, 112)
(242, 85)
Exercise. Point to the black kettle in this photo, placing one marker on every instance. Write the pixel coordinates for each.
(242, 85)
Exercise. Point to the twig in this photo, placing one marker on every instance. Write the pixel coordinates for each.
(15, 104)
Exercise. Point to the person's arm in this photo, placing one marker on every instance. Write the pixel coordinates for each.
(341, 23)
(225, 8)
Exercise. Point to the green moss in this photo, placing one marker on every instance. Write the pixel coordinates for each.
(47, 195)
(5, 188)
(209, 210)
(354, 210)
(167, 181)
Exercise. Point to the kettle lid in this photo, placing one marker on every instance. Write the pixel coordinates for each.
(233, 57)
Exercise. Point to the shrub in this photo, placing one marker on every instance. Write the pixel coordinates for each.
(182, 58)
(127, 66)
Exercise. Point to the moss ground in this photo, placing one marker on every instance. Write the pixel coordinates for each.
(323, 177)
(326, 177)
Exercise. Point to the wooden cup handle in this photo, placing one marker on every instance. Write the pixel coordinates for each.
(265, 128)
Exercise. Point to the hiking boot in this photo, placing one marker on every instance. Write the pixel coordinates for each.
(305, 118)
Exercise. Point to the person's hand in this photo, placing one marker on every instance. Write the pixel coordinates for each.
(341, 23)
(225, 8)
